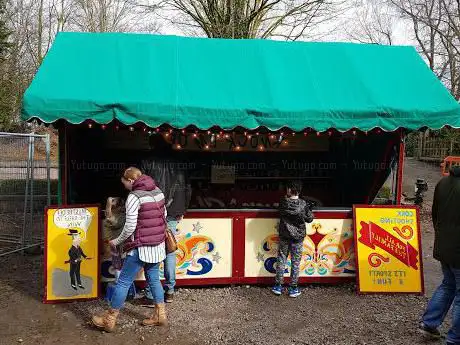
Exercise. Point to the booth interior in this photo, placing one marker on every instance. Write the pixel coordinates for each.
(233, 170)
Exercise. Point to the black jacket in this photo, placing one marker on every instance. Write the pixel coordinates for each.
(446, 219)
(75, 254)
(174, 184)
(293, 215)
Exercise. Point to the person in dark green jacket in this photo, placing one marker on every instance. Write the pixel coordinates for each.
(446, 222)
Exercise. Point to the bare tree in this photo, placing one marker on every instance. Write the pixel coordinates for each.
(285, 19)
(373, 23)
(436, 29)
(103, 15)
(34, 24)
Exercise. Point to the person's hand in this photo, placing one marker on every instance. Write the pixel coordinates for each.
(112, 244)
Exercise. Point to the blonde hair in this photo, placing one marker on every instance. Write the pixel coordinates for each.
(132, 173)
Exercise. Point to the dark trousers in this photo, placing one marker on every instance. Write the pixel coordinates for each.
(445, 296)
(75, 273)
(287, 247)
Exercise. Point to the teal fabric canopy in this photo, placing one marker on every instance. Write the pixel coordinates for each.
(228, 83)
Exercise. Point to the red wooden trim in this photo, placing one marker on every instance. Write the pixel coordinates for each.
(45, 295)
(235, 214)
(63, 166)
(302, 280)
(333, 215)
(98, 254)
(66, 166)
(254, 280)
(381, 206)
(355, 235)
(196, 282)
(209, 214)
(238, 247)
(401, 154)
(355, 239)
(207, 281)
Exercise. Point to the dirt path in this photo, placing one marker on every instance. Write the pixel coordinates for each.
(239, 315)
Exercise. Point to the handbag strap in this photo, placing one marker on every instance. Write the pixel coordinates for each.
(162, 214)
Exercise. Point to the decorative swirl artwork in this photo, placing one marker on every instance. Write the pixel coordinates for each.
(326, 250)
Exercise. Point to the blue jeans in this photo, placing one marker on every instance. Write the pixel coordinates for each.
(132, 266)
(445, 294)
(169, 264)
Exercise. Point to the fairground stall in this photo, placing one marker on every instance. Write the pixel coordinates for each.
(240, 117)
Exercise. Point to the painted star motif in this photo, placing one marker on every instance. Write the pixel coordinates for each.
(216, 257)
(260, 257)
(197, 227)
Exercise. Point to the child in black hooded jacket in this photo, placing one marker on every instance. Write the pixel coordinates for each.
(294, 213)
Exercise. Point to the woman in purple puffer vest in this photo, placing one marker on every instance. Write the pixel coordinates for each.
(143, 241)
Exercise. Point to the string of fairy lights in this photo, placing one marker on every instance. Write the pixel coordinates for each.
(237, 138)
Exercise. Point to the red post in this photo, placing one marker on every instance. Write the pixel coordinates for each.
(401, 153)
(63, 159)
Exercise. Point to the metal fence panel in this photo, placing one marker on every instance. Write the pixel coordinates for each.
(26, 176)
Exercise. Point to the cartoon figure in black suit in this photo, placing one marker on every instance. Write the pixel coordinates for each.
(76, 256)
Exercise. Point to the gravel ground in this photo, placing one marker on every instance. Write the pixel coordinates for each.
(323, 314)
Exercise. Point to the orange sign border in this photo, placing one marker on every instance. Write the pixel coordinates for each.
(419, 240)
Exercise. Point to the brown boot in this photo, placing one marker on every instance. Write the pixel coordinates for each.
(107, 320)
(158, 317)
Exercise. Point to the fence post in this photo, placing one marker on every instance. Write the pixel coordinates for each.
(26, 194)
(420, 145)
(19, 167)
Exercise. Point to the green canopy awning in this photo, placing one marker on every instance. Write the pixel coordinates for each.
(250, 83)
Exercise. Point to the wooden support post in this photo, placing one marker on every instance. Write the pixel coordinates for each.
(401, 153)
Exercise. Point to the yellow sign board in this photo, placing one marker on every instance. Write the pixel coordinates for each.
(388, 249)
(71, 253)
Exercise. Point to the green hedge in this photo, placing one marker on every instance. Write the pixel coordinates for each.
(18, 187)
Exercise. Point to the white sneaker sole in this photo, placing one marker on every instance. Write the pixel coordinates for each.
(295, 295)
(277, 293)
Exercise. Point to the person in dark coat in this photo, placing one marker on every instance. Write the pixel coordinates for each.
(76, 256)
(294, 213)
(446, 222)
(174, 181)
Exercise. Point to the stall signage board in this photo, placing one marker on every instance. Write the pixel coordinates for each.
(71, 253)
(261, 142)
(223, 174)
(388, 249)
